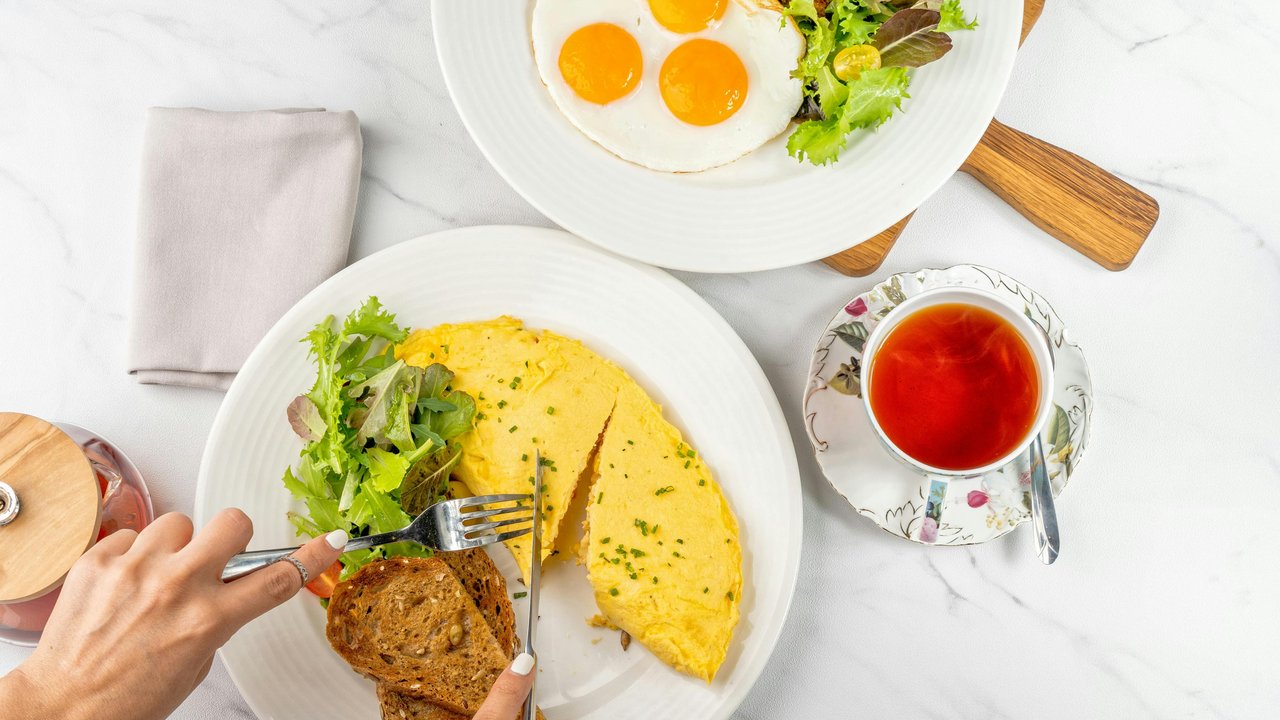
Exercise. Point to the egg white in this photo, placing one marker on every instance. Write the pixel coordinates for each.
(639, 127)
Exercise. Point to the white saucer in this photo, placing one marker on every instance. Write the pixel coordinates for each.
(893, 496)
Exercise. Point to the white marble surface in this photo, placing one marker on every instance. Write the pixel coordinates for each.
(1164, 603)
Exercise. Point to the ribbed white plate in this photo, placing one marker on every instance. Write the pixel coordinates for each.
(668, 338)
(763, 211)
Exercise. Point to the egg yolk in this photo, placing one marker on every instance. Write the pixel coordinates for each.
(703, 82)
(601, 62)
(687, 16)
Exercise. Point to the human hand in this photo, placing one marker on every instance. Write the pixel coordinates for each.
(507, 697)
(141, 614)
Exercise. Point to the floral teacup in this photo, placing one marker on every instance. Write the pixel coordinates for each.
(1043, 362)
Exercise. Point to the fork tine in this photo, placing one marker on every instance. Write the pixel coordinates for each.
(467, 544)
(477, 500)
(484, 527)
(482, 514)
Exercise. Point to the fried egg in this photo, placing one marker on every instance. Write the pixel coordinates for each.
(674, 85)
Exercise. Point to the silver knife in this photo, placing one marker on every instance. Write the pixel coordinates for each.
(535, 581)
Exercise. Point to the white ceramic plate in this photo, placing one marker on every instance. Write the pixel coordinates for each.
(888, 492)
(763, 211)
(671, 341)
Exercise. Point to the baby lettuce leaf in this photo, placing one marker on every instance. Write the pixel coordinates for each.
(428, 480)
(305, 418)
(953, 17)
(910, 39)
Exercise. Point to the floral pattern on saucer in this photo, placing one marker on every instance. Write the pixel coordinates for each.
(892, 495)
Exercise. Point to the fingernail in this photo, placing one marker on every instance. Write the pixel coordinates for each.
(336, 539)
(522, 664)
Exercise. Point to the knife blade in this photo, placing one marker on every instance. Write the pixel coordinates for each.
(535, 580)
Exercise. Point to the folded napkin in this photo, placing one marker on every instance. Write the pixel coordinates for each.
(241, 214)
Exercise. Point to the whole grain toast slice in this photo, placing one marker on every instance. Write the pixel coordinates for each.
(488, 590)
(397, 706)
(410, 624)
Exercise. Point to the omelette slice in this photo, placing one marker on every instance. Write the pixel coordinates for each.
(662, 548)
(533, 391)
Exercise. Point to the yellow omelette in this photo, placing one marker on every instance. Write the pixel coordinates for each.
(661, 544)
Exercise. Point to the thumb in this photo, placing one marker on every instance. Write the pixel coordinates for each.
(265, 589)
(507, 697)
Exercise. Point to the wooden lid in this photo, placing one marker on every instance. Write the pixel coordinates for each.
(60, 506)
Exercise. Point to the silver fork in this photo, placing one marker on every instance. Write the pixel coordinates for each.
(449, 525)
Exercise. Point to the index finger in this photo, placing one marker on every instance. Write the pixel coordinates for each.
(254, 594)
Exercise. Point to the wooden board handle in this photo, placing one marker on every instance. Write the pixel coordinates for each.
(1094, 212)
(866, 257)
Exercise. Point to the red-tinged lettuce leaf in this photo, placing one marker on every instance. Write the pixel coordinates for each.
(910, 39)
(304, 418)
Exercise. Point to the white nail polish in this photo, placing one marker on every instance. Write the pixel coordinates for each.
(336, 539)
(522, 664)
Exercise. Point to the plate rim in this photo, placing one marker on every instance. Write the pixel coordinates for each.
(734, 694)
(724, 262)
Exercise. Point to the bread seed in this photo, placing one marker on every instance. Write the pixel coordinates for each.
(626, 640)
(455, 634)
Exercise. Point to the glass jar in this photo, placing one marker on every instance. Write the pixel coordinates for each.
(126, 504)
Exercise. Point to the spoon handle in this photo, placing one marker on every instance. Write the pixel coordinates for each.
(1043, 515)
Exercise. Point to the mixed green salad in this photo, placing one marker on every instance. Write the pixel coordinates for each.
(856, 68)
(380, 435)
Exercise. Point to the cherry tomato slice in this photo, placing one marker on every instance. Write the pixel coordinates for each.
(323, 585)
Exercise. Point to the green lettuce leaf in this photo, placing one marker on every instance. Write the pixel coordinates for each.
(953, 17)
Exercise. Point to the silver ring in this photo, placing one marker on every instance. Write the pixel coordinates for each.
(302, 569)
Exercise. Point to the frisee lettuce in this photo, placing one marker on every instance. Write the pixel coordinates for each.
(380, 434)
(835, 107)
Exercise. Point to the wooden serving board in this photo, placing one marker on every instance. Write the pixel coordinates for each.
(1092, 211)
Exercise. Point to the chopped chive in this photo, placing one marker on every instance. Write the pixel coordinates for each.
(519, 595)
(678, 540)
(502, 404)
(637, 552)
(613, 592)
(631, 442)
(524, 457)
(729, 595)
(655, 579)
(551, 410)
(480, 416)
(706, 590)
(664, 490)
(605, 541)
(444, 348)
(513, 428)
(634, 576)
(600, 497)
(686, 463)
(701, 482)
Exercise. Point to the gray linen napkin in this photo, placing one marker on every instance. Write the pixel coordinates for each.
(241, 214)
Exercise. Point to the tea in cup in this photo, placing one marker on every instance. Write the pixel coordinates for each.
(956, 383)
